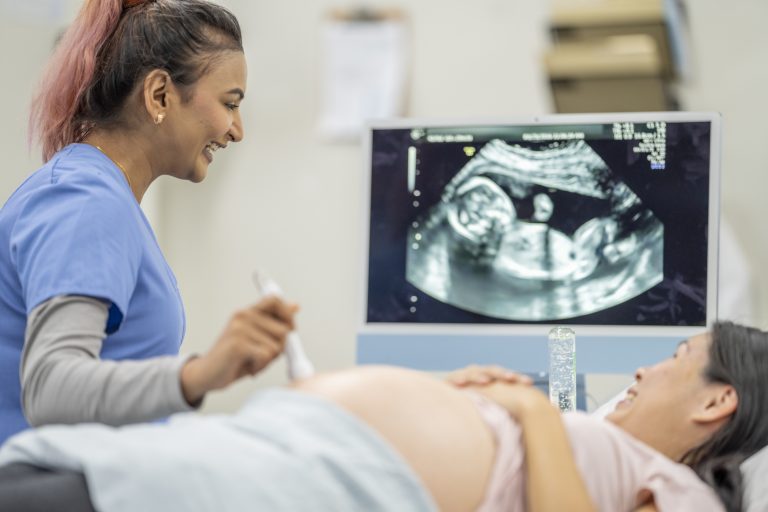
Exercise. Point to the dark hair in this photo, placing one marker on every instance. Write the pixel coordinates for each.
(738, 356)
(110, 47)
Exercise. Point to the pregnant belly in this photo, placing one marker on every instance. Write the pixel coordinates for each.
(434, 426)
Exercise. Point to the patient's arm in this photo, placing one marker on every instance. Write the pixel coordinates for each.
(549, 457)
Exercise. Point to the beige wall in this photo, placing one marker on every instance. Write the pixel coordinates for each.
(731, 76)
(288, 203)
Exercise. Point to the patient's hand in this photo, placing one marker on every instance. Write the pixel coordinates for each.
(519, 401)
(483, 375)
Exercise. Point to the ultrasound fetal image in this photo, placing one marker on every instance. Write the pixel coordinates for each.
(536, 233)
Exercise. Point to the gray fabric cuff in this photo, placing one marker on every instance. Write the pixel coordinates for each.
(64, 381)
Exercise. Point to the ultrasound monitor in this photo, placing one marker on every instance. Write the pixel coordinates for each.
(485, 233)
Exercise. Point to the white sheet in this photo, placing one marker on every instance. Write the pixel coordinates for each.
(284, 451)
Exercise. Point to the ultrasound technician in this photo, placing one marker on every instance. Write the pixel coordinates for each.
(91, 319)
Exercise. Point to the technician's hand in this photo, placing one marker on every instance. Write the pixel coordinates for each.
(483, 375)
(252, 339)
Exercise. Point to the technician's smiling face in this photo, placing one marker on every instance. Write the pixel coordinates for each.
(666, 393)
(210, 119)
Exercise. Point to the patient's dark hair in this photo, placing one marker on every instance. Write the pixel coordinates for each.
(738, 356)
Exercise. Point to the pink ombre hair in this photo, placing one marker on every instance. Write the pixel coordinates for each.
(53, 117)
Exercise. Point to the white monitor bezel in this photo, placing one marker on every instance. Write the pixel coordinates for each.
(551, 119)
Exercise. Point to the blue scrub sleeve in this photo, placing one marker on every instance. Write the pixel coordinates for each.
(78, 237)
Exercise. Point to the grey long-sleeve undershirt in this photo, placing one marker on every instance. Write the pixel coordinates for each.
(64, 381)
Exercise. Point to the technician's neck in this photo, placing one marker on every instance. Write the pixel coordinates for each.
(126, 153)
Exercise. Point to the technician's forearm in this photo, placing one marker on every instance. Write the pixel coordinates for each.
(64, 381)
(74, 390)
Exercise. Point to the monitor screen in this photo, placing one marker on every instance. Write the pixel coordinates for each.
(590, 220)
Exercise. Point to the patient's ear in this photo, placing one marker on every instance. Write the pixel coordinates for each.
(720, 402)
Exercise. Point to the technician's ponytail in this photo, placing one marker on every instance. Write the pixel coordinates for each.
(68, 75)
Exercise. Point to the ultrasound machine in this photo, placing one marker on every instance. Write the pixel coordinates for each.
(481, 236)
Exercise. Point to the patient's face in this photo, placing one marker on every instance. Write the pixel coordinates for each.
(665, 393)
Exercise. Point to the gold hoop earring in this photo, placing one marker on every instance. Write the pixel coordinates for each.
(159, 118)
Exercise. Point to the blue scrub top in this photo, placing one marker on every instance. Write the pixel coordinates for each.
(74, 228)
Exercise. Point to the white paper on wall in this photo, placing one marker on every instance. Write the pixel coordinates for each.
(364, 75)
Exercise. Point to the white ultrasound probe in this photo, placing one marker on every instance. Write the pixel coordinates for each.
(298, 364)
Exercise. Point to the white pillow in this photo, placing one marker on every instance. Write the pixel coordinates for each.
(608, 407)
(755, 471)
